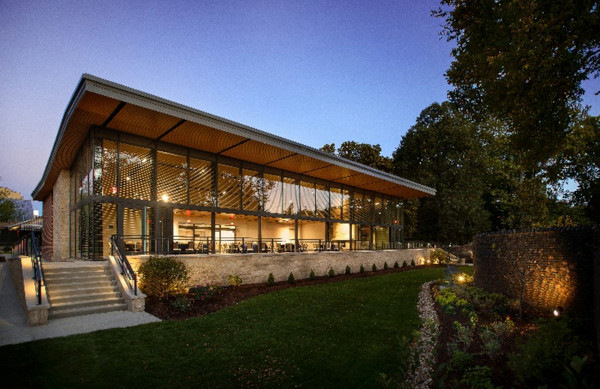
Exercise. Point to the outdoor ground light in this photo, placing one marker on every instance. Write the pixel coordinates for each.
(558, 311)
(461, 278)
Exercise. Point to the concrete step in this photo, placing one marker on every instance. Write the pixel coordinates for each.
(87, 295)
(80, 279)
(70, 312)
(78, 273)
(89, 303)
(55, 291)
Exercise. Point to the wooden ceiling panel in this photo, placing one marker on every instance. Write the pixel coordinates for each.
(200, 137)
(257, 152)
(299, 163)
(331, 173)
(94, 108)
(142, 121)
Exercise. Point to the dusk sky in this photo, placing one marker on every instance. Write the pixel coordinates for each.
(315, 72)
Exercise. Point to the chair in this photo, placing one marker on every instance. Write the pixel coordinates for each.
(190, 248)
(176, 248)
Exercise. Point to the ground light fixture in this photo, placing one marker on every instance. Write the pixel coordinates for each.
(461, 278)
(558, 311)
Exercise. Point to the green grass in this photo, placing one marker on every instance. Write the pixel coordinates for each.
(341, 334)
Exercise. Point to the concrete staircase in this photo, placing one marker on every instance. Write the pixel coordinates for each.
(81, 288)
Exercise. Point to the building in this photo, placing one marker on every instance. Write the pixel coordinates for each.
(171, 179)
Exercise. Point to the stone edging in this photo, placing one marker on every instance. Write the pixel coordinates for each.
(423, 350)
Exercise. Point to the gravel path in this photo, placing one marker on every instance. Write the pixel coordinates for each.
(13, 321)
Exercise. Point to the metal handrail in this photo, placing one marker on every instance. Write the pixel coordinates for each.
(38, 268)
(116, 245)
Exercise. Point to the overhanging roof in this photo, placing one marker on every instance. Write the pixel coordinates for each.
(98, 102)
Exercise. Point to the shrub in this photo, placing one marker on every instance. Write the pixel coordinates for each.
(362, 269)
(291, 278)
(439, 256)
(348, 270)
(203, 293)
(404, 264)
(161, 276)
(181, 304)
(464, 336)
(234, 281)
(540, 358)
(478, 377)
(461, 360)
(412, 262)
(312, 275)
(492, 345)
(385, 266)
(396, 266)
(374, 267)
(270, 279)
(331, 273)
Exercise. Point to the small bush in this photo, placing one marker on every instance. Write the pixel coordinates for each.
(331, 273)
(348, 270)
(478, 377)
(385, 266)
(161, 276)
(312, 275)
(374, 267)
(461, 360)
(404, 264)
(270, 280)
(439, 256)
(492, 345)
(203, 293)
(181, 304)
(464, 336)
(396, 266)
(362, 269)
(291, 278)
(412, 262)
(234, 281)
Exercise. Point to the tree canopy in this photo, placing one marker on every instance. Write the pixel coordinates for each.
(523, 62)
(369, 155)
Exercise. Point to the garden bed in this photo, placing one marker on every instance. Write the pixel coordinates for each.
(167, 309)
(484, 343)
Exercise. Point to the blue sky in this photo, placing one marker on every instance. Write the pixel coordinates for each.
(315, 72)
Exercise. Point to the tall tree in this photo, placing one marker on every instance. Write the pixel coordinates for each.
(442, 151)
(523, 61)
(8, 211)
(369, 155)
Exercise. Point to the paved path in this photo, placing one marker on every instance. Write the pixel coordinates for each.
(14, 327)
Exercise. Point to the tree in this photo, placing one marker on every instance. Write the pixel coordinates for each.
(369, 155)
(8, 210)
(442, 150)
(523, 61)
(582, 163)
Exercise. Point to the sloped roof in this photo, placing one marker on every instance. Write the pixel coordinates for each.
(98, 102)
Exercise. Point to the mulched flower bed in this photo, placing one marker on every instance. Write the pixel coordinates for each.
(227, 296)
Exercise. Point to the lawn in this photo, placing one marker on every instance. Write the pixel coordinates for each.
(340, 334)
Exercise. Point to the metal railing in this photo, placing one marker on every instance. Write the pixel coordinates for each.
(117, 250)
(144, 244)
(28, 246)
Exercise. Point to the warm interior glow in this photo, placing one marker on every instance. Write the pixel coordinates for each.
(165, 198)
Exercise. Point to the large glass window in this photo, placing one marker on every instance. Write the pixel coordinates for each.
(378, 210)
(291, 194)
(307, 197)
(272, 191)
(171, 177)
(322, 201)
(337, 202)
(251, 190)
(346, 202)
(106, 157)
(201, 181)
(358, 207)
(135, 172)
(229, 187)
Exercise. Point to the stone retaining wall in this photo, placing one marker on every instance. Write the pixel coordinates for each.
(255, 268)
(562, 262)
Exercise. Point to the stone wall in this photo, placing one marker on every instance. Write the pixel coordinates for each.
(47, 228)
(560, 262)
(255, 268)
(60, 211)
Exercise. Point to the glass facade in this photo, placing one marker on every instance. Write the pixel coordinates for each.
(163, 198)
